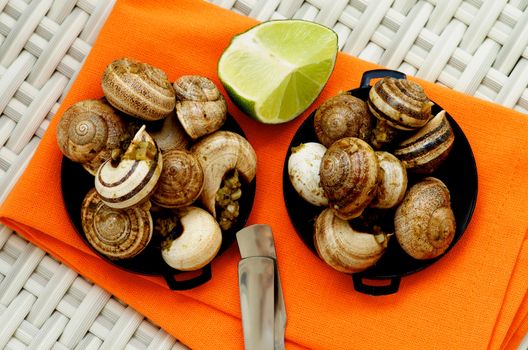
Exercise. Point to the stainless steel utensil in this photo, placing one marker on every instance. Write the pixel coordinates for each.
(261, 299)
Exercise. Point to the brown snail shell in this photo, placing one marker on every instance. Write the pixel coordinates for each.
(342, 116)
(197, 245)
(424, 151)
(171, 135)
(401, 103)
(181, 180)
(424, 222)
(349, 176)
(200, 107)
(138, 89)
(218, 153)
(393, 183)
(344, 248)
(115, 233)
(134, 178)
(88, 132)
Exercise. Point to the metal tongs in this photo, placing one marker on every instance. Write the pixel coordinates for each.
(261, 299)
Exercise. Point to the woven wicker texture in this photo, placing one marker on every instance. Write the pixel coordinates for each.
(474, 46)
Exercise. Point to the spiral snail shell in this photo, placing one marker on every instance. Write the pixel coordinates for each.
(134, 178)
(117, 234)
(218, 153)
(424, 222)
(393, 183)
(344, 248)
(400, 102)
(424, 151)
(138, 89)
(181, 180)
(342, 116)
(88, 132)
(197, 245)
(200, 107)
(303, 170)
(349, 176)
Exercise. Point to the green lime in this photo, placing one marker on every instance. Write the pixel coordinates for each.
(275, 70)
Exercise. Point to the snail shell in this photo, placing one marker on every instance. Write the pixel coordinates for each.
(349, 176)
(218, 153)
(342, 116)
(401, 102)
(138, 89)
(88, 132)
(424, 151)
(171, 135)
(393, 184)
(181, 180)
(424, 222)
(303, 169)
(344, 248)
(198, 244)
(200, 106)
(115, 233)
(134, 178)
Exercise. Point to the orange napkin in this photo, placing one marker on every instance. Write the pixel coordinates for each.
(473, 298)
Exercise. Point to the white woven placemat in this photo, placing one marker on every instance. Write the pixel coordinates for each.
(474, 46)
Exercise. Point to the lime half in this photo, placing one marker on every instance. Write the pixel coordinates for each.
(275, 70)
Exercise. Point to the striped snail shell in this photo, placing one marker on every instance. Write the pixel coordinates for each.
(181, 180)
(218, 153)
(200, 106)
(198, 243)
(88, 132)
(424, 151)
(115, 233)
(342, 116)
(400, 102)
(349, 175)
(344, 248)
(393, 183)
(138, 89)
(424, 222)
(134, 178)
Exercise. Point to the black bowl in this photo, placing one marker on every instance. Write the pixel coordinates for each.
(458, 172)
(75, 184)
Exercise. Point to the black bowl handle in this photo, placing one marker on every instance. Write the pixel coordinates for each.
(174, 284)
(379, 73)
(361, 287)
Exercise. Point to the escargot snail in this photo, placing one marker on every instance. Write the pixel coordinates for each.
(200, 106)
(88, 132)
(171, 135)
(198, 242)
(393, 183)
(349, 176)
(342, 116)
(424, 222)
(303, 170)
(134, 178)
(344, 248)
(117, 234)
(138, 89)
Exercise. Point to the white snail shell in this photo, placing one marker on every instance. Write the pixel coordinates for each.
(424, 222)
(115, 233)
(424, 151)
(218, 153)
(200, 106)
(171, 135)
(181, 180)
(400, 102)
(393, 183)
(303, 170)
(344, 248)
(88, 132)
(198, 244)
(138, 89)
(134, 178)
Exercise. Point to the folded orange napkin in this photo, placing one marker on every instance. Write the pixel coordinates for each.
(473, 298)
